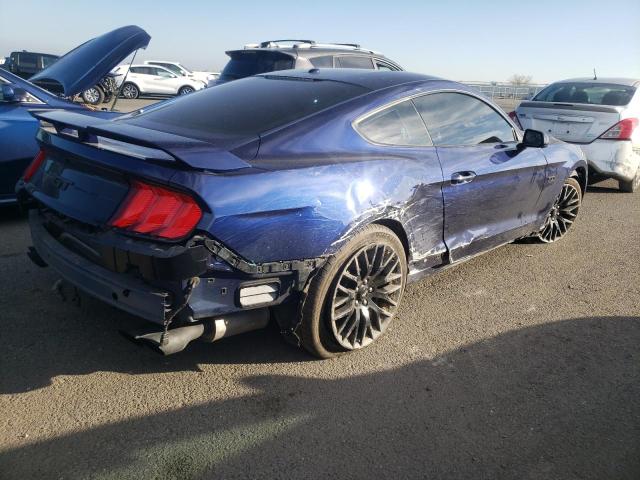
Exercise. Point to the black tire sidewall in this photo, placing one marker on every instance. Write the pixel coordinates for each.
(315, 331)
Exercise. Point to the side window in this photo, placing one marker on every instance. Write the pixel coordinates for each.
(325, 61)
(350, 61)
(162, 73)
(385, 67)
(399, 125)
(48, 60)
(459, 119)
(28, 60)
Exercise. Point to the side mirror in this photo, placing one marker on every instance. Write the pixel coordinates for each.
(534, 139)
(11, 94)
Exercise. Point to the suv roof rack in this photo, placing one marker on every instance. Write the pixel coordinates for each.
(294, 43)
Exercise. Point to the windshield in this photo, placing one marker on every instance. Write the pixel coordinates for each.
(587, 93)
(247, 63)
(246, 108)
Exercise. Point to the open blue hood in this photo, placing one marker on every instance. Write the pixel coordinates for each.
(84, 66)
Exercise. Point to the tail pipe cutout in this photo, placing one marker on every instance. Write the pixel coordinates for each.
(208, 330)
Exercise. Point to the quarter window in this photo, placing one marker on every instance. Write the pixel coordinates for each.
(325, 61)
(385, 67)
(459, 119)
(398, 125)
(354, 62)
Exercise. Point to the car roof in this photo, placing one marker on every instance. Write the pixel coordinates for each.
(314, 52)
(35, 53)
(144, 65)
(370, 79)
(631, 82)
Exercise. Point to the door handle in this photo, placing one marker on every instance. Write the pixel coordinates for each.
(459, 178)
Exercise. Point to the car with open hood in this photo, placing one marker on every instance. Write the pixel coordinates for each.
(73, 73)
(310, 195)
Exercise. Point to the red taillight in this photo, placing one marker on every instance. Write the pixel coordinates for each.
(621, 130)
(34, 165)
(514, 117)
(157, 211)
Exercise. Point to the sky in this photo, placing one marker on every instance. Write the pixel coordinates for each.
(460, 40)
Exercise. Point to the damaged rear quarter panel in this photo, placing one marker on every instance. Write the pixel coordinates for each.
(315, 183)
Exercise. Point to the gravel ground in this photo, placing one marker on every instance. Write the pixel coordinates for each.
(523, 363)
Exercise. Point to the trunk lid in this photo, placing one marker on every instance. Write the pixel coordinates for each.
(90, 162)
(569, 122)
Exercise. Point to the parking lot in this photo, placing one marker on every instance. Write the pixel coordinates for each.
(523, 363)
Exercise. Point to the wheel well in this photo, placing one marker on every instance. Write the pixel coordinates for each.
(396, 227)
(183, 86)
(581, 174)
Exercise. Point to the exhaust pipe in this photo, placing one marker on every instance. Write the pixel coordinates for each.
(208, 330)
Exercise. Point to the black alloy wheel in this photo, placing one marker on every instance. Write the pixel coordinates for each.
(563, 213)
(366, 296)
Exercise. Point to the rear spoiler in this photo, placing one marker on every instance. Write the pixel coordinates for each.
(138, 142)
(583, 107)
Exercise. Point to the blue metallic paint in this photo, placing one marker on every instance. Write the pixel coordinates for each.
(85, 65)
(311, 184)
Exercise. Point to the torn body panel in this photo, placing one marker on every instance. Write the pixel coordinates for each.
(272, 211)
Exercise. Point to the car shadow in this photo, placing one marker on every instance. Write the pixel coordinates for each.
(38, 348)
(555, 401)
(12, 213)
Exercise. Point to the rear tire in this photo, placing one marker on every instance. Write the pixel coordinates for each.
(563, 214)
(632, 185)
(130, 91)
(354, 296)
(93, 96)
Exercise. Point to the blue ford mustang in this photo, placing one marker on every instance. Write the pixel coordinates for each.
(312, 195)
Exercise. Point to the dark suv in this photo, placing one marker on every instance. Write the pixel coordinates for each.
(26, 64)
(275, 55)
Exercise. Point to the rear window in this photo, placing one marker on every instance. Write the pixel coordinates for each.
(248, 63)
(587, 93)
(245, 108)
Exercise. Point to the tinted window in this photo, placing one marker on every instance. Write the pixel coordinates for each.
(396, 125)
(28, 60)
(385, 67)
(138, 70)
(247, 63)
(48, 60)
(586, 92)
(458, 119)
(354, 62)
(245, 108)
(322, 62)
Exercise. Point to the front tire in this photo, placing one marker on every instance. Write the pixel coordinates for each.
(93, 96)
(355, 295)
(130, 91)
(632, 185)
(186, 90)
(563, 214)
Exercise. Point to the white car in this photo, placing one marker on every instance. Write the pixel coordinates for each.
(600, 115)
(181, 70)
(151, 79)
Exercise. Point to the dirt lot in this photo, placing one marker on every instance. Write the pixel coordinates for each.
(523, 363)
